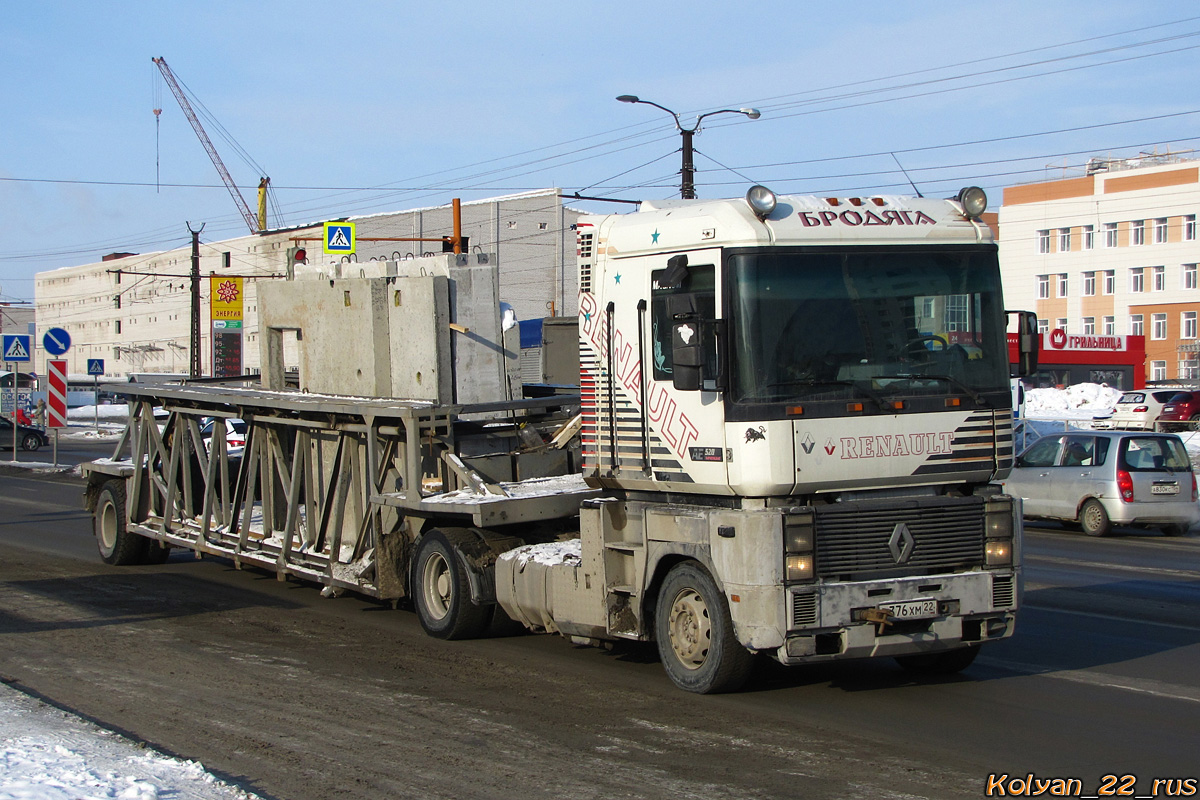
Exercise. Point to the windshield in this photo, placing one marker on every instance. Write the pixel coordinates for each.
(869, 324)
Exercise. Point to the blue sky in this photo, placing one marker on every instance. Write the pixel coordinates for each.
(363, 107)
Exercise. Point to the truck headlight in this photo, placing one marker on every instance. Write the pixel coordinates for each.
(998, 553)
(799, 541)
(800, 568)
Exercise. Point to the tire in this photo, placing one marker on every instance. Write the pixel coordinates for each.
(1094, 519)
(117, 545)
(695, 634)
(1175, 530)
(31, 442)
(156, 552)
(949, 662)
(442, 594)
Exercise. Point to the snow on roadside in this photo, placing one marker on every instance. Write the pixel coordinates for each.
(48, 754)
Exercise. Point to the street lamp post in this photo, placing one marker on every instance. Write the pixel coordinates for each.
(687, 188)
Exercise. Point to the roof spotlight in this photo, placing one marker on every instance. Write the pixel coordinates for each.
(973, 200)
(761, 201)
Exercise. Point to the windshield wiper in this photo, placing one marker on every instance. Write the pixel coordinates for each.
(955, 382)
(810, 382)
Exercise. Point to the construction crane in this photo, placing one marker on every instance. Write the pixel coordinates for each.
(255, 224)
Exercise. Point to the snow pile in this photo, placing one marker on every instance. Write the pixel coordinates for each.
(551, 554)
(107, 411)
(51, 755)
(1081, 401)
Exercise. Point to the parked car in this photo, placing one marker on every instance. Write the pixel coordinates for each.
(1183, 407)
(1136, 410)
(235, 436)
(1100, 478)
(28, 437)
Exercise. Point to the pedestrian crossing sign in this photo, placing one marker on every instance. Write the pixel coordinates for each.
(339, 238)
(16, 347)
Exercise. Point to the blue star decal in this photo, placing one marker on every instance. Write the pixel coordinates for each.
(587, 316)
(654, 237)
(617, 277)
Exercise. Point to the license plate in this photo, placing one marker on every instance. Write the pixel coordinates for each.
(912, 609)
(1164, 488)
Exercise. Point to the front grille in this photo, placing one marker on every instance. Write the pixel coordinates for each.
(1003, 591)
(804, 610)
(858, 541)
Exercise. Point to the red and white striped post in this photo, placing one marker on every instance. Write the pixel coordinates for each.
(56, 409)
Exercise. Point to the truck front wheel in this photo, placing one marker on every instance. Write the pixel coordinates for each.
(695, 634)
(118, 546)
(442, 592)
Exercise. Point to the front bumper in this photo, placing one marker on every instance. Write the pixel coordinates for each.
(826, 620)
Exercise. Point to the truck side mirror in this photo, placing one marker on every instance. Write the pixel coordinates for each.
(1028, 343)
(687, 356)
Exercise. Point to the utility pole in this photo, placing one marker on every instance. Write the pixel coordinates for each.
(194, 372)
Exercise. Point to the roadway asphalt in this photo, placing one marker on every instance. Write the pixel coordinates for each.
(296, 696)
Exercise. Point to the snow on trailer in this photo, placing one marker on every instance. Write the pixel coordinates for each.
(328, 488)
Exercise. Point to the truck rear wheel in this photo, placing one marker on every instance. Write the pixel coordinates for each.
(947, 663)
(695, 634)
(118, 546)
(442, 592)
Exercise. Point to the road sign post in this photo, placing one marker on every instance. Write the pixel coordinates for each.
(95, 368)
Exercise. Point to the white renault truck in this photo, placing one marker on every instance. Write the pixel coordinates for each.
(792, 416)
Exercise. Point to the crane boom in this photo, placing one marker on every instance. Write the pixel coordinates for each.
(177, 90)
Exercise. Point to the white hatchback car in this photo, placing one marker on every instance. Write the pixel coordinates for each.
(1136, 410)
(1101, 478)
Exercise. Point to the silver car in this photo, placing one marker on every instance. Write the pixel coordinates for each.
(1103, 478)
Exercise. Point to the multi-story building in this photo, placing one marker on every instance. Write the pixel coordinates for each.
(1111, 253)
(134, 310)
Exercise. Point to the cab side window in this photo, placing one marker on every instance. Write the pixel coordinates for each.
(700, 284)
(1043, 453)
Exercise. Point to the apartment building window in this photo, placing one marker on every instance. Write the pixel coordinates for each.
(1139, 232)
(1160, 231)
(1160, 279)
(1044, 241)
(1062, 285)
(1089, 237)
(1137, 279)
(1043, 325)
(116, 326)
(1061, 323)
(1110, 234)
(1189, 228)
(1110, 326)
(1089, 284)
(1136, 326)
(1158, 326)
(1089, 326)
(1043, 287)
(1110, 281)
(1189, 276)
(1189, 370)
(1158, 370)
(1064, 240)
(1187, 325)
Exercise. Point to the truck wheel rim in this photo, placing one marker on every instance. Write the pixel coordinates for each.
(438, 586)
(108, 527)
(690, 628)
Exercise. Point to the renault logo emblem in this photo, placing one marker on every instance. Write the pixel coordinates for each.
(901, 543)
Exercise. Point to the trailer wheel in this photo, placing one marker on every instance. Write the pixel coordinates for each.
(947, 663)
(118, 546)
(156, 552)
(695, 634)
(443, 595)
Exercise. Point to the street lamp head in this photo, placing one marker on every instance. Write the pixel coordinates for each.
(627, 98)
(752, 113)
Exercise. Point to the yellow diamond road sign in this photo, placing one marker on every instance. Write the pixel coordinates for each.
(339, 238)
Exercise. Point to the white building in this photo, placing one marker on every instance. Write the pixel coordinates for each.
(1111, 253)
(134, 310)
